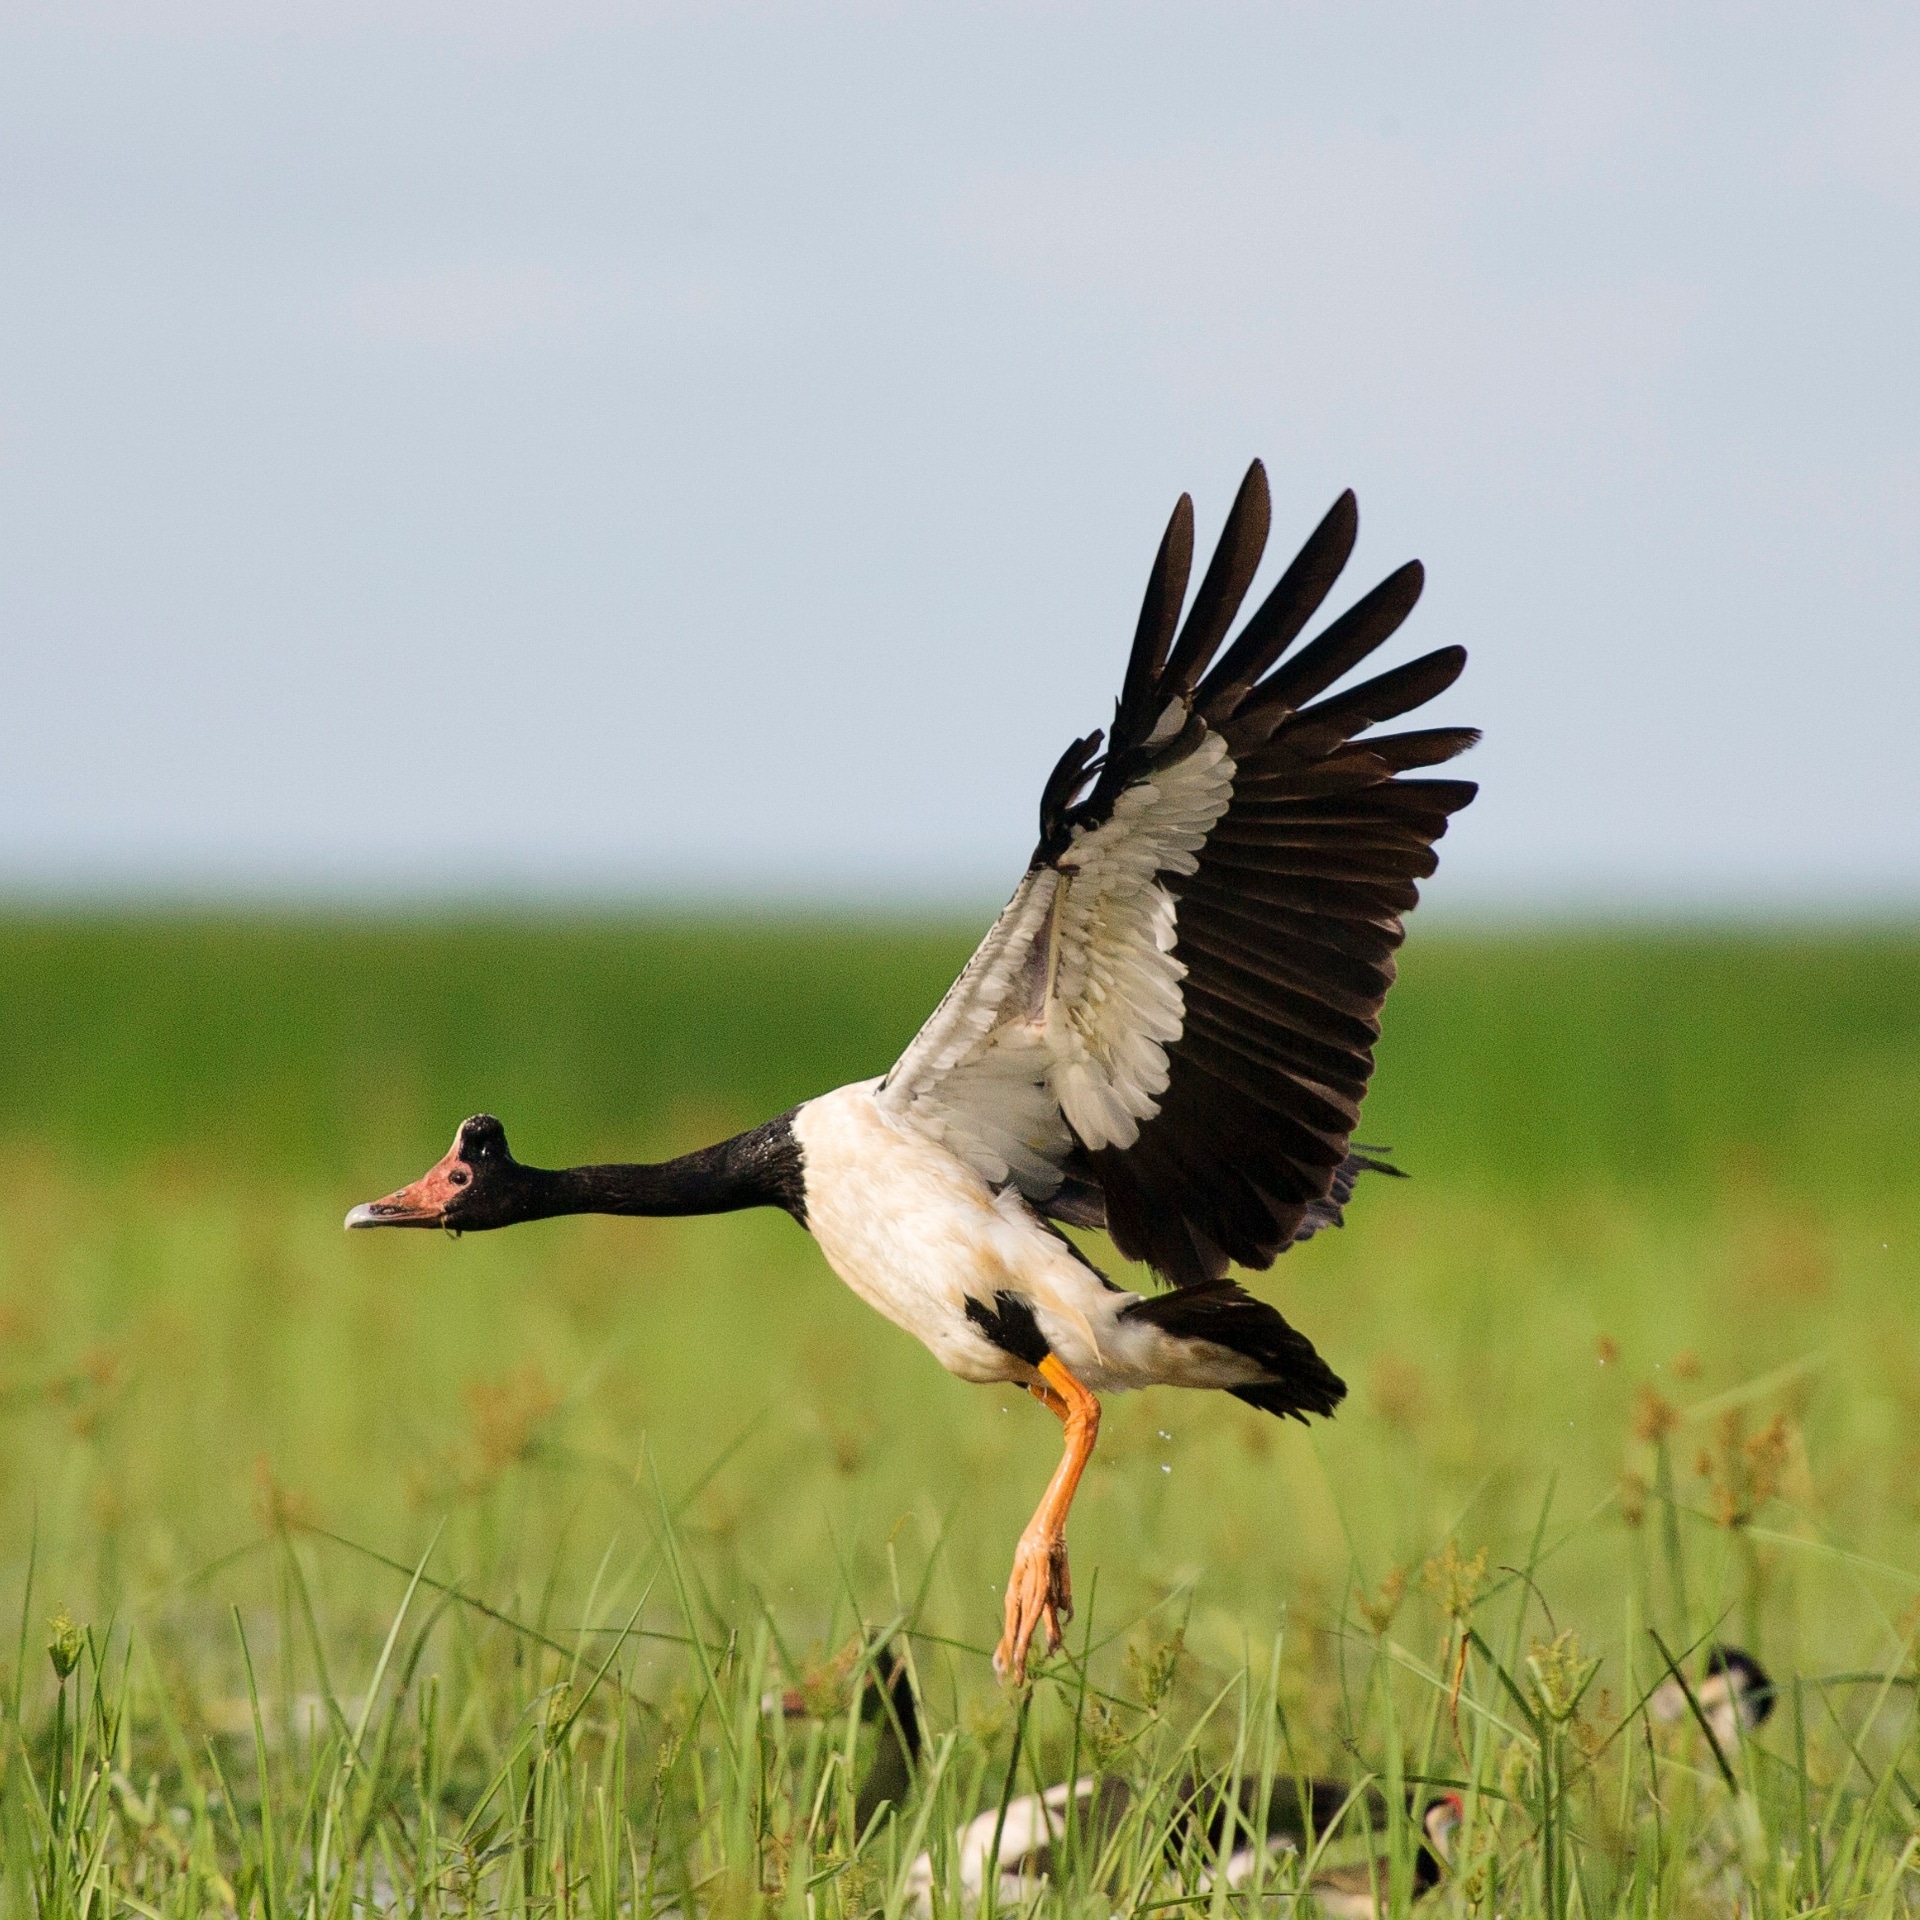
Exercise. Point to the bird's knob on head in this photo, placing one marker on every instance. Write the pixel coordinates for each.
(477, 1185)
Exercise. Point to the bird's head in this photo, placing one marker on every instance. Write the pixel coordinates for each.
(1734, 1696)
(1737, 1689)
(478, 1185)
(1445, 1816)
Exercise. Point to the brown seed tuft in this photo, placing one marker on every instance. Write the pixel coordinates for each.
(507, 1416)
(1654, 1416)
(1633, 1498)
(1398, 1390)
(1378, 1612)
(279, 1508)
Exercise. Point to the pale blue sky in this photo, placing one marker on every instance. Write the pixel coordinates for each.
(721, 448)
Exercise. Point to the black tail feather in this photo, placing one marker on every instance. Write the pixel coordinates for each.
(1224, 1314)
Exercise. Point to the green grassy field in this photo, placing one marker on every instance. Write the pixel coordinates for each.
(1642, 1327)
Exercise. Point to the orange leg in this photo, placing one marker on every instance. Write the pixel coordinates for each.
(1038, 1589)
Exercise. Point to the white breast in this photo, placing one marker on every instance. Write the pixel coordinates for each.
(907, 1225)
(916, 1232)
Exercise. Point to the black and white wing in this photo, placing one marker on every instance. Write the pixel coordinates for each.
(1169, 1029)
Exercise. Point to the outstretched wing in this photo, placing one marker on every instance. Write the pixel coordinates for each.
(1169, 1029)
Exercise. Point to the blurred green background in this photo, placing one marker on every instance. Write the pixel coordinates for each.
(1652, 1162)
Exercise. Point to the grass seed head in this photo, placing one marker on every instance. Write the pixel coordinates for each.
(1767, 1454)
(508, 1417)
(1632, 1498)
(64, 1641)
(859, 1887)
(1378, 1612)
(1454, 1580)
(984, 1720)
(1560, 1672)
(278, 1507)
(1744, 1472)
(1654, 1416)
(1399, 1392)
(1103, 1736)
(1151, 1665)
(825, 1683)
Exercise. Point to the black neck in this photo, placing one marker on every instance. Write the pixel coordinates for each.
(760, 1168)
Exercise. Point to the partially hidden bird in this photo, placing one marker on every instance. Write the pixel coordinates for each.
(1230, 1836)
(1734, 1697)
(1235, 1838)
(1167, 1034)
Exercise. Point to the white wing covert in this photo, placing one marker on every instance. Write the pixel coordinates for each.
(975, 1075)
(1056, 1028)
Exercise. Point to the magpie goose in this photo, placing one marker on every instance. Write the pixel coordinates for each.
(1735, 1696)
(1167, 1033)
(1018, 1845)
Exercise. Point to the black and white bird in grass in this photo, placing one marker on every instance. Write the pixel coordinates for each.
(1229, 1832)
(1734, 1696)
(1167, 1033)
(1232, 1834)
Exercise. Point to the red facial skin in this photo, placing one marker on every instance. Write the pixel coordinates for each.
(1443, 1840)
(423, 1204)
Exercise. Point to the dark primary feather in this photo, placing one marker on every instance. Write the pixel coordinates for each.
(1285, 611)
(1159, 614)
(1364, 626)
(1229, 574)
(1385, 697)
(1431, 747)
(1330, 1209)
(1289, 927)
